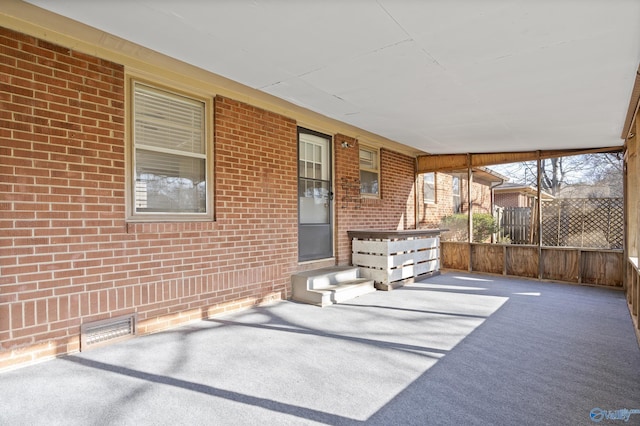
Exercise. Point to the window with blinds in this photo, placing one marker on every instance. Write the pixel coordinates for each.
(369, 172)
(170, 153)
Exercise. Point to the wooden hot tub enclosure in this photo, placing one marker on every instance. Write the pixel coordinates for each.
(391, 257)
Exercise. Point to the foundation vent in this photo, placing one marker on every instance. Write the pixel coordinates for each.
(107, 331)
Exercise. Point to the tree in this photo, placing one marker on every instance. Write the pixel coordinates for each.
(596, 171)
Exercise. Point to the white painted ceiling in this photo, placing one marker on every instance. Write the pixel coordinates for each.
(446, 76)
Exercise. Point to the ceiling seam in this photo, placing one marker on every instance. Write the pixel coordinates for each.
(394, 19)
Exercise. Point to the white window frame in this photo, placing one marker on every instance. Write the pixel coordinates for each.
(132, 186)
(374, 169)
(429, 199)
(456, 199)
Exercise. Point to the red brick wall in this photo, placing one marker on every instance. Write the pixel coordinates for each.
(511, 199)
(431, 214)
(66, 254)
(61, 192)
(481, 196)
(395, 209)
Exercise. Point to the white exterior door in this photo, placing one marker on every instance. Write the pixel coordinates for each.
(315, 199)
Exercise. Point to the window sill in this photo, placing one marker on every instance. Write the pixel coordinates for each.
(162, 227)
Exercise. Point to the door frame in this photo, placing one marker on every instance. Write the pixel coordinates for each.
(330, 253)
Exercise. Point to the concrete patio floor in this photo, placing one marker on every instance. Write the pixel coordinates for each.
(457, 349)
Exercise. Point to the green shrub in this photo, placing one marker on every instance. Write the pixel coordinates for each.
(484, 225)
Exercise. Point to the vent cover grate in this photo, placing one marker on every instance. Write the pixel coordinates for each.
(99, 333)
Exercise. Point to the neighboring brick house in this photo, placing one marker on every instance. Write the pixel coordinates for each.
(517, 195)
(89, 226)
(443, 194)
(515, 212)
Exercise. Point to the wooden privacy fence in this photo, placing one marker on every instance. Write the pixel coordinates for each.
(571, 222)
(582, 242)
(515, 225)
(575, 265)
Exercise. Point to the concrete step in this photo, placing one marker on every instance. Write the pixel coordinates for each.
(326, 286)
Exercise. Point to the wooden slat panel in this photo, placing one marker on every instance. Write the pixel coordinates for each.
(632, 111)
(401, 274)
(481, 160)
(487, 258)
(395, 261)
(522, 261)
(414, 257)
(409, 245)
(574, 265)
(449, 162)
(391, 234)
(385, 248)
(636, 297)
(628, 280)
(369, 261)
(410, 271)
(632, 198)
(454, 255)
(368, 246)
(432, 163)
(428, 267)
(602, 268)
(560, 264)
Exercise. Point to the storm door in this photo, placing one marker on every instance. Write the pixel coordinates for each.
(315, 228)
